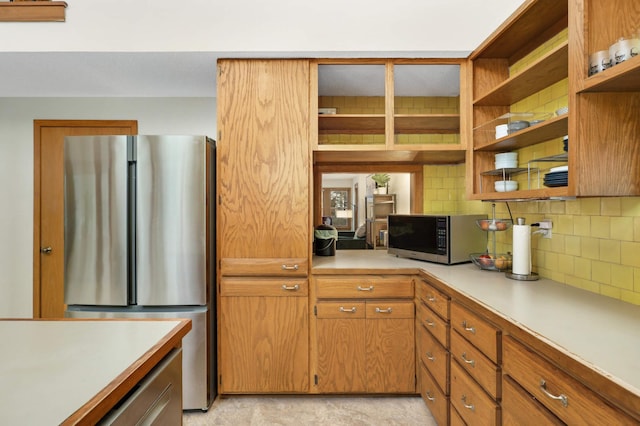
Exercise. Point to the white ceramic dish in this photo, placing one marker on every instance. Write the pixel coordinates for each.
(506, 185)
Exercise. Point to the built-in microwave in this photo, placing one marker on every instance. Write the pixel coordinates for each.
(447, 239)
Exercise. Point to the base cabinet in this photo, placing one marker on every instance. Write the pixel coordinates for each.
(264, 339)
(366, 347)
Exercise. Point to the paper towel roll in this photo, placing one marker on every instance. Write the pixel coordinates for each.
(521, 249)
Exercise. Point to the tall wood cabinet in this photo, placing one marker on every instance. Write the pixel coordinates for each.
(264, 227)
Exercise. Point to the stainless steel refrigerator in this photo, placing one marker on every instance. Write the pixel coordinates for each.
(139, 239)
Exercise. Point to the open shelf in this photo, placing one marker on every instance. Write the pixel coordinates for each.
(366, 124)
(624, 77)
(555, 127)
(546, 71)
(526, 194)
(426, 123)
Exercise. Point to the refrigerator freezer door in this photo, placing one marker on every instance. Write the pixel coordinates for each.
(95, 182)
(171, 220)
(197, 376)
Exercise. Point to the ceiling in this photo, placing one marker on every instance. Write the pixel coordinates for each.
(188, 74)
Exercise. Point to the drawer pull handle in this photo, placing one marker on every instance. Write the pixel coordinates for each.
(468, 361)
(471, 330)
(429, 396)
(289, 267)
(467, 406)
(430, 356)
(383, 311)
(430, 323)
(431, 299)
(370, 288)
(351, 311)
(291, 287)
(562, 398)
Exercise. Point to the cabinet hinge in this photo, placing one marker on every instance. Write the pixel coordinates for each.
(315, 310)
(219, 135)
(315, 379)
(220, 380)
(219, 200)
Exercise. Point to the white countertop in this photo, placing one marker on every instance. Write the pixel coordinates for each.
(601, 332)
(49, 369)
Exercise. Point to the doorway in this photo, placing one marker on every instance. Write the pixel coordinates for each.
(48, 204)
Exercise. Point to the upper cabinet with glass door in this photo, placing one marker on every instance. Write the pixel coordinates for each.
(389, 110)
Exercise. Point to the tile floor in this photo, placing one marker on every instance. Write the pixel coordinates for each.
(312, 410)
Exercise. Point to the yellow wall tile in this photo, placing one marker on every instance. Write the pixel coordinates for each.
(622, 228)
(622, 276)
(601, 272)
(610, 251)
(600, 226)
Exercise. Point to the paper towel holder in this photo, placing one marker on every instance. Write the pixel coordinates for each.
(532, 276)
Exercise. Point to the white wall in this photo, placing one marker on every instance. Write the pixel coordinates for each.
(331, 26)
(154, 115)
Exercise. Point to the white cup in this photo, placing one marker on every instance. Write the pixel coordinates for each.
(621, 50)
(599, 62)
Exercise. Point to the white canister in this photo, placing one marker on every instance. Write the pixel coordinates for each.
(620, 51)
(502, 130)
(599, 62)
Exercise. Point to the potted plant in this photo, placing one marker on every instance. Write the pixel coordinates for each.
(381, 180)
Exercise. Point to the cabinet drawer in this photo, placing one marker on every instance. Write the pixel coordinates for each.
(433, 397)
(264, 287)
(434, 299)
(481, 368)
(456, 418)
(519, 408)
(434, 324)
(479, 332)
(567, 398)
(473, 404)
(434, 357)
(345, 310)
(364, 287)
(293, 267)
(387, 309)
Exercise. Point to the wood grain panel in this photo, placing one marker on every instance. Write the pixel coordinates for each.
(390, 354)
(519, 407)
(294, 267)
(259, 353)
(473, 404)
(364, 287)
(481, 368)
(263, 159)
(583, 405)
(434, 299)
(434, 357)
(277, 287)
(478, 331)
(341, 355)
(434, 324)
(607, 155)
(434, 398)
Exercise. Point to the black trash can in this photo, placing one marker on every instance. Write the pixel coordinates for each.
(325, 237)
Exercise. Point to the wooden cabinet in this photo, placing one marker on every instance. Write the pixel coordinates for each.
(264, 227)
(432, 344)
(476, 353)
(378, 207)
(264, 338)
(543, 44)
(560, 393)
(365, 344)
(390, 121)
(525, 55)
(519, 407)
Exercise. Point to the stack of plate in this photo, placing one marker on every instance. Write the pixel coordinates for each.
(557, 176)
(507, 160)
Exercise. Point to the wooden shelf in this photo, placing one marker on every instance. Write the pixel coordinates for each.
(546, 71)
(33, 11)
(528, 194)
(372, 124)
(624, 77)
(414, 154)
(517, 37)
(427, 123)
(555, 127)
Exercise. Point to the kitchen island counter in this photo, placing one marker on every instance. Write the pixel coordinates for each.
(75, 371)
(600, 332)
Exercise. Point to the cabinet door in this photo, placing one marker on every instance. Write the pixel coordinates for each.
(263, 159)
(264, 342)
(390, 347)
(341, 347)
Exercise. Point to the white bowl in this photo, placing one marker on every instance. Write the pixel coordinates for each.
(506, 164)
(507, 156)
(506, 185)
